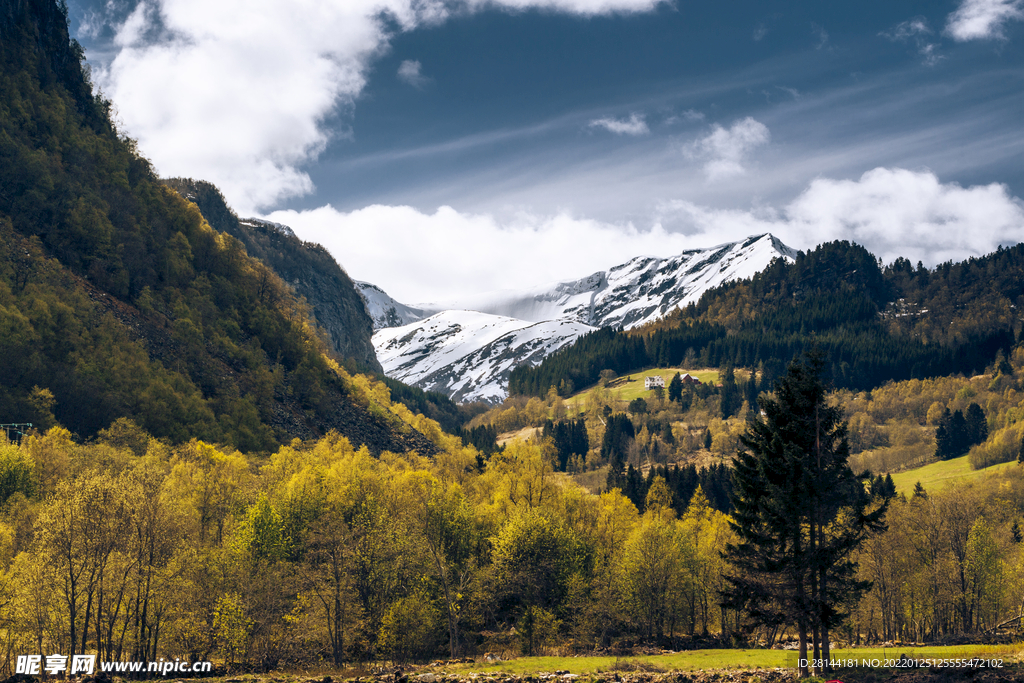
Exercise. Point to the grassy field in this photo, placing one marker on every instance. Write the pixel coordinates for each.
(624, 389)
(695, 660)
(939, 474)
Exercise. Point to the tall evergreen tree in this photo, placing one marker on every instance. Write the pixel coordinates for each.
(731, 397)
(618, 432)
(977, 425)
(675, 388)
(799, 512)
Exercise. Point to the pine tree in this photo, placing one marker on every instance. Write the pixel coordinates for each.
(945, 440)
(977, 425)
(675, 388)
(800, 512)
(731, 398)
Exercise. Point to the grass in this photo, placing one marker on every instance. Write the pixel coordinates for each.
(627, 387)
(940, 474)
(696, 660)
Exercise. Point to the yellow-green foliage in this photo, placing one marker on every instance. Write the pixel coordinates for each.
(892, 427)
(950, 560)
(321, 547)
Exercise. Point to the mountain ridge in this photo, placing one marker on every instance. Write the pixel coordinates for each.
(471, 357)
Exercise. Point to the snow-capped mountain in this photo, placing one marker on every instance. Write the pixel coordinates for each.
(467, 354)
(639, 291)
(468, 349)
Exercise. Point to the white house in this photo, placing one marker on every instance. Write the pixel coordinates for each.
(654, 381)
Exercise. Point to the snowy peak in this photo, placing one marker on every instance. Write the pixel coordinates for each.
(469, 348)
(638, 291)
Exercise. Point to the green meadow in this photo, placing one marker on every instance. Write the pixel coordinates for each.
(940, 474)
(628, 387)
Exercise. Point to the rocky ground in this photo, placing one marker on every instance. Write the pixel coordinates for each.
(1009, 673)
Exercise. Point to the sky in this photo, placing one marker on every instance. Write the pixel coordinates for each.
(444, 147)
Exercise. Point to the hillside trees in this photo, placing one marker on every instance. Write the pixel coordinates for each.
(875, 324)
(570, 438)
(118, 299)
(956, 432)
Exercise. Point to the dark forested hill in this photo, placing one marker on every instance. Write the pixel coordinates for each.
(876, 324)
(118, 299)
(306, 267)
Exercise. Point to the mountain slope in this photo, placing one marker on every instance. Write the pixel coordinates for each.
(470, 349)
(875, 324)
(117, 299)
(306, 267)
(638, 291)
(385, 311)
(467, 354)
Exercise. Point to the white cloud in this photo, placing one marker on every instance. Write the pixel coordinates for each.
(983, 19)
(892, 212)
(239, 91)
(634, 125)
(725, 149)
(411, 72)
(419, 257)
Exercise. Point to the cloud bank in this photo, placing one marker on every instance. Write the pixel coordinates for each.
(634, 125)
(418, 257)
(983, 19)
(240, 92)
(725, 150)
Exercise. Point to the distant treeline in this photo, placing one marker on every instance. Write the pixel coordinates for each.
(875, 324)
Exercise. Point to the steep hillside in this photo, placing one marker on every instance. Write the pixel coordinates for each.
(385, 311)
(306, 267)
(118, 299)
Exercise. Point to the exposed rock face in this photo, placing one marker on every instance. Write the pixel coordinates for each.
(385, 311)
(309, 268)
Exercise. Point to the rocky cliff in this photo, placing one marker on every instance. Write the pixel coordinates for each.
(307, 267)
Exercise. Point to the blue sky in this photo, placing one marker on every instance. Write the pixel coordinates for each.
(438, 147)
